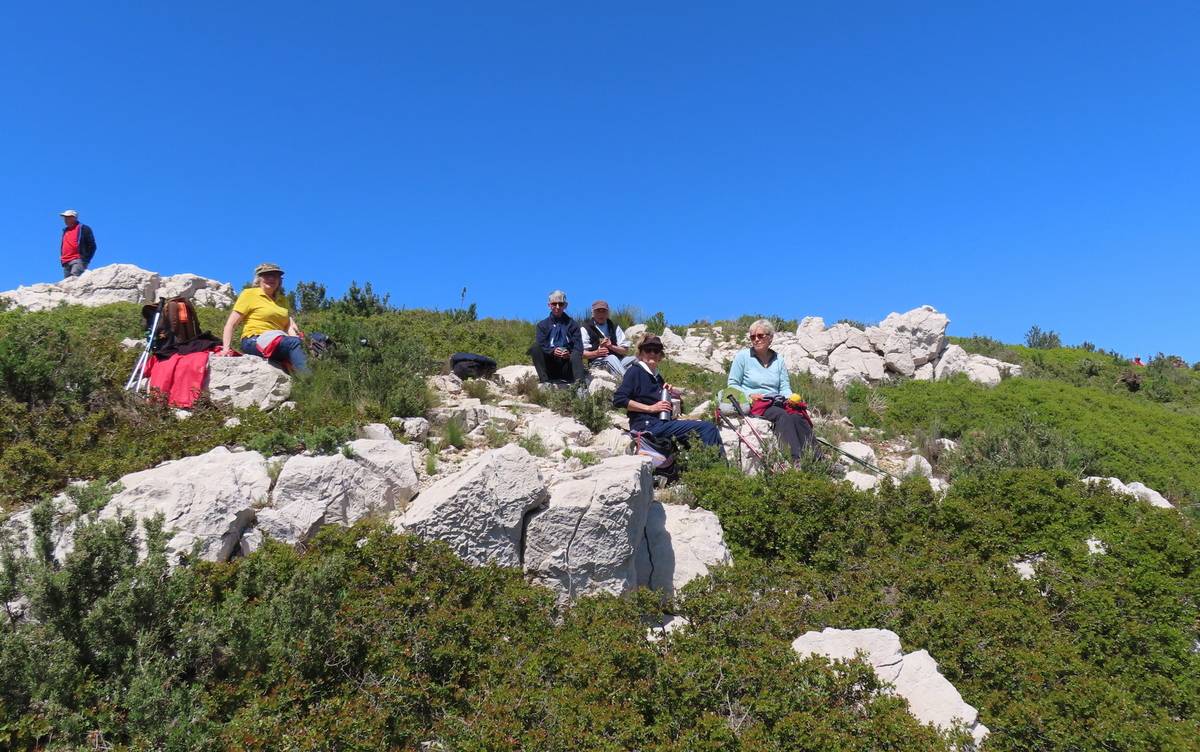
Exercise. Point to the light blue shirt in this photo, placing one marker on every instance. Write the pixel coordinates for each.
(749, 376)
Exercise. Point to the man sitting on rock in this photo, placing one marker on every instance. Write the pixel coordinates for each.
(604, 342)
(641, 394)
(558, 351)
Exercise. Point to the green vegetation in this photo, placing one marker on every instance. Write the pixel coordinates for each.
(1113, 433)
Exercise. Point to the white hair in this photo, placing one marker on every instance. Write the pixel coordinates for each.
(558, 296)
(766, 326)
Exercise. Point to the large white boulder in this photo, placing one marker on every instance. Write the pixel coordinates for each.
(585, 541)
(931, 697)
(471, 413)
(752, 439)
(512, 375)
(247, 381)
(852, 364)
(862, 481)
(680, 544)
(1135, 489)
(207, 500)
(921, 332)
(380, 478)
(480, 511)
(672, 342)
(18, 528)
(978, 368)
(556, 431)
(202, 291)
(860, 450)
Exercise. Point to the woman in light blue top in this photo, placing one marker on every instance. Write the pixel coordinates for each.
(759, 371)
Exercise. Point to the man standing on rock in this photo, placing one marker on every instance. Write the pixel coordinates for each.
(558, 352)
(78, 245)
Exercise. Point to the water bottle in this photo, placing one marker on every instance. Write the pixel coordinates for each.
(665, 414)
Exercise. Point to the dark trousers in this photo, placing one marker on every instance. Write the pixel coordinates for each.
(550, 368)
(682, 429)
(791, 429)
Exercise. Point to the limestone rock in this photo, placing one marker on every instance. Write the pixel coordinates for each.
(901, 363)
(207, 499)
(1135, 489)
(557, 431)
(849, 364)
(119, 283)
(672, 342)
(415, 429)
(512, 375)
(376, 431)
(585, 541)
(918, 465)
(924, 373)
(471, 413)
(203, 292)
(446, 383)
(680, 544)
(18, 528)
(978, 368)
(859, 450)
(247, 381)
(603, 380)
(915, 676)
(611, 442)
(634, 333)
(1026, 566)
(313, 492)
(862, 481)
(479, 512)
(1096, 546)
(925, 330)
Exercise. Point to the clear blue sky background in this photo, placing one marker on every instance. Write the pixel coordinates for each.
(1008, 163)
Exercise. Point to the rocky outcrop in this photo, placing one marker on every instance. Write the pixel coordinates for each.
(585, 541)
(910, 345)
(377, 479)
(119, 283)
(679, 545)
(984, 370)
(915, 676)
(247, 381)
(206, 501)
(480, 512)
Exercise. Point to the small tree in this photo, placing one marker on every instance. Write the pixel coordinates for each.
(310, 296)
(1038, 339)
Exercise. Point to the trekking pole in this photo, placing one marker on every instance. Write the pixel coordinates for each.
(722, 420)
(862, 462)
(136, 378)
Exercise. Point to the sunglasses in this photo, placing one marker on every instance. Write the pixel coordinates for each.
(760, 336)
(558, 305)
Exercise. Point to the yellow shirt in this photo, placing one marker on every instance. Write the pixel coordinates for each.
(262, 314)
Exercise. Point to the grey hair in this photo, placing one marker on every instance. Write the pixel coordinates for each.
(558, 296)
(763, 324)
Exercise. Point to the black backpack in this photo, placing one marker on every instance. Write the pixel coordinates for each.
(471, 365)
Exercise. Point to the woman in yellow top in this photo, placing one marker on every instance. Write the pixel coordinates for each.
(269, 331)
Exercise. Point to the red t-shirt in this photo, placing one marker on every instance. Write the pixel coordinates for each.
(70, 244)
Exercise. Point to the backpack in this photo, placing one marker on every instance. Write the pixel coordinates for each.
(662, 453)
(472, 366)
(177, 325)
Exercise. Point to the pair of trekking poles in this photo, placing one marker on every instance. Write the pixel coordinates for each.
(138, 377)
(722, 419)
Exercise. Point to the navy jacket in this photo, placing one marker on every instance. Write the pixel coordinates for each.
(546, 326)
(87, 242)
(639, 386)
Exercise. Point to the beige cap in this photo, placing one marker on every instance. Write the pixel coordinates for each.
(601, 305)
(267, 267)
(69, 213)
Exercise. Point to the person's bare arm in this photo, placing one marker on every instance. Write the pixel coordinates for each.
(231, 323)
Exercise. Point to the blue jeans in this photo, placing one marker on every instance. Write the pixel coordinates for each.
(679, 429)
(290, 351)
(73, 268)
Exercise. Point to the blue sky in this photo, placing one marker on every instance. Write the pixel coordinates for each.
(1009, 163)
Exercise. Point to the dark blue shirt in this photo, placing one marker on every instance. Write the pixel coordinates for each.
(561, 329)
(639, 386)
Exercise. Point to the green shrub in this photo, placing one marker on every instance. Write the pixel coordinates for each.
(454, 433)
(479, 389)
(1026, 443)
(533, 444)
